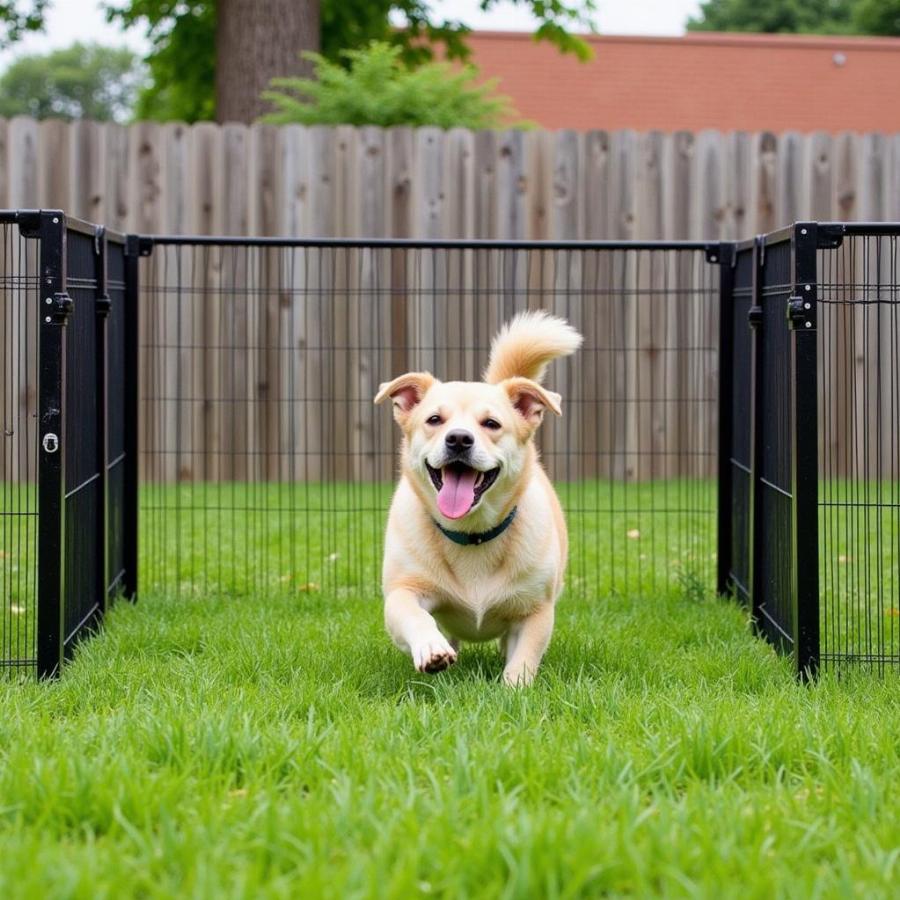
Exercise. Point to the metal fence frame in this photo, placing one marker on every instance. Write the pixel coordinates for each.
(777, 308)
(781, 593)
(787, 607)
(74, 258)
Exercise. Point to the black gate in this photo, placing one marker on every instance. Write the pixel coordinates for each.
(70, 394)
(769, 557)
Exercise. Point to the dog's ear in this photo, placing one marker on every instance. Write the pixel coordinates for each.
(530, 399)
(405, 392)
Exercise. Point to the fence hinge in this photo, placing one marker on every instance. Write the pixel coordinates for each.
(801, 311)
(722, 254)
(755, 316)
(138, 245)
(60, 307)
(29, 221)
(829, 236)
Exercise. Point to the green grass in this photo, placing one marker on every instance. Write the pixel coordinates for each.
(273, 743)
(245, 538)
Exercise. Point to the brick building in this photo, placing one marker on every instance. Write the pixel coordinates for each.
(703, 80)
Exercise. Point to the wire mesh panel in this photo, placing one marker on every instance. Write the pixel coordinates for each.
(740, 458)
(859, 449)
(772, 539)
(265, 465)
(83, 461)
(19, 287)
(116, 417)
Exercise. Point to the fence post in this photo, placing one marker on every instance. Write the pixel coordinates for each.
(725, 256)
(132, 418)
(55, 306)
(754, 525)
(102, 306)
(801, 312)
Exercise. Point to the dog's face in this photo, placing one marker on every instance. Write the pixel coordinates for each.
(466, 443)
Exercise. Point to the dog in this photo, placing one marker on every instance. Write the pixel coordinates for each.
(476, 542)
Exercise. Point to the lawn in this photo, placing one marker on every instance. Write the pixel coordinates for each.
(261, 742)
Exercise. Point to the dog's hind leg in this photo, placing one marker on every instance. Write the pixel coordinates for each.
(525, 644)
(414, 630)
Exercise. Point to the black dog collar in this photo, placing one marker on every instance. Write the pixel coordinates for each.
(466, 538)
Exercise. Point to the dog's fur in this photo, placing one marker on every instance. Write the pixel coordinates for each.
(438, 592)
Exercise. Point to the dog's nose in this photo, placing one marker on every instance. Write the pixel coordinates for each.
(459, 440)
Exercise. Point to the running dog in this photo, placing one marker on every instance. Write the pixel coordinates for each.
(476, 541)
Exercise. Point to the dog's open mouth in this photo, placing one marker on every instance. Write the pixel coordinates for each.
(459, 487)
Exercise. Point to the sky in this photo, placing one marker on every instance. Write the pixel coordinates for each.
(82, 20)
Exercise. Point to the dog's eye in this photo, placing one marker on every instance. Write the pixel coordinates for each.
(492, 424)
(434, 420)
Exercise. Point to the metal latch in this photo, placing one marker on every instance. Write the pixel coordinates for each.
(61, 306)
(800, 313)
(50, 443)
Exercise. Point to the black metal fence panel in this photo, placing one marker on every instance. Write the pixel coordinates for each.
(66, 507)
(265, 465)
(740, 398)
(770, 443)
(772, 579)
(859, 449)
(118, 363)
(83, 561)
(19, 292)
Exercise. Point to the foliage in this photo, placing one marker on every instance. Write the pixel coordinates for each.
(376, 88)
(182, 58)
(876, 17)
(276, 745)
(17, 18)
(84, 81)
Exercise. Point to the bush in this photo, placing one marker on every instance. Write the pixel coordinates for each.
(377, 89)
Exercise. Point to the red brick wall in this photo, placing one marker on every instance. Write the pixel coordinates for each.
(722, 81)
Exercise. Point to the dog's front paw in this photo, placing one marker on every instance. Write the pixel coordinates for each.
(518, 676)
(433, 655)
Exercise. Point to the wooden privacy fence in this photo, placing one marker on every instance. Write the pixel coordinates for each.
(429, 184)
(404, 182)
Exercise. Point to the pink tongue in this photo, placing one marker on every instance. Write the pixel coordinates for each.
(457, 493)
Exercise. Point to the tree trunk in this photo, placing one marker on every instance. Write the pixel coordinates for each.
(257, 40)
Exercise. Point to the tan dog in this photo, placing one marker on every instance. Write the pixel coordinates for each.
(476, 541)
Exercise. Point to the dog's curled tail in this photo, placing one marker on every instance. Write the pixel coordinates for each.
(527, 343)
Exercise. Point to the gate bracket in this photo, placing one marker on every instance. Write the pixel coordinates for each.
(801, 312)
(61, 307)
